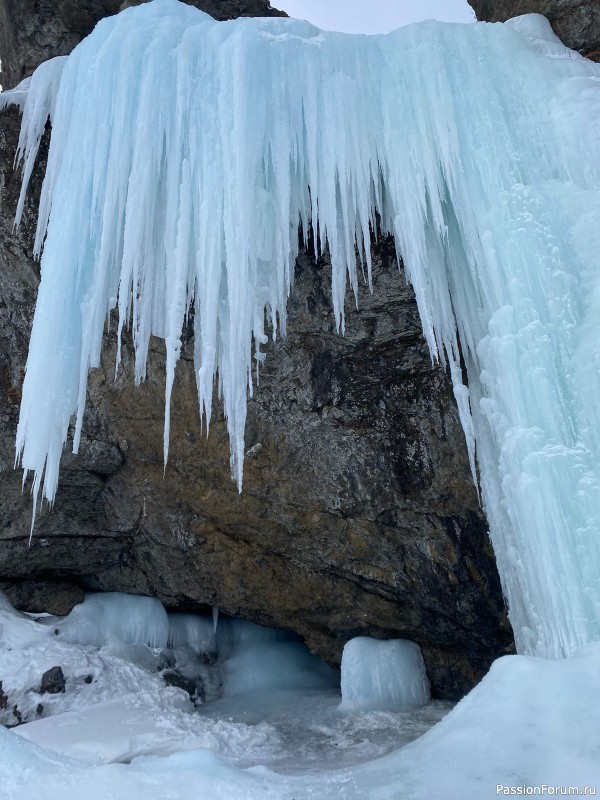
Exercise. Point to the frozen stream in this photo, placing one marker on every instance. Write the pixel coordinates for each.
(277, 732)
(315, 735)
(139, 682)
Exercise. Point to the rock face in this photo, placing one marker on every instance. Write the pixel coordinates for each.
(575, 22)
(358, 515)
(32, 31)
(52, 596)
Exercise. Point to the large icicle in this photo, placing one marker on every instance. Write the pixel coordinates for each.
(184, 155)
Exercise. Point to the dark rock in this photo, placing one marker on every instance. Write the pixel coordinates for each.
(88, 679)
(575, 22)
(166, 659)
(53, 681)
(194, 689)
(38, 596)
(39, 709)
(3, 698)
(358, 516)
(18, 716)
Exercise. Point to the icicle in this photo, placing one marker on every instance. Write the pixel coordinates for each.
(184, 155)
(36, 97)
(215, 613)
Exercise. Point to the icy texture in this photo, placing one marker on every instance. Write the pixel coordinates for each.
(275, 665)
(116, 618)
(186, 152)
(192, 630)
(530, 722)
(378, 674)
(36, 97)
(126, 711)
(92, 675)
(232, 633)
(258, 658)
(16, 97)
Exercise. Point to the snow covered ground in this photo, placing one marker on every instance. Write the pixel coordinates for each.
(277, 730)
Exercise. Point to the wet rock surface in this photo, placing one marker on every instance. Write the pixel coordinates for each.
(575, 22)
(358, 515)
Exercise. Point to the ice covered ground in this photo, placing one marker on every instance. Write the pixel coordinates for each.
(278, 705)
(127, 736)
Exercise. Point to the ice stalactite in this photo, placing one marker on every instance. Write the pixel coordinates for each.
(185, 154)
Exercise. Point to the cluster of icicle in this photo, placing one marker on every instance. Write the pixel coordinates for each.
(185, 155)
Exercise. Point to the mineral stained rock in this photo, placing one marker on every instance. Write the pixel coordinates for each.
(358, 515)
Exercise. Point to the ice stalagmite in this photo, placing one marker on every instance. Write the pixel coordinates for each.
(184, 155)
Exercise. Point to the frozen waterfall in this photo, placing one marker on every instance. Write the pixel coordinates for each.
(185, 153)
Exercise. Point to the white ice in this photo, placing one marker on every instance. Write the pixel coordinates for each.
(93, 674)
(193, 631)
(36, 98)
(279, 706)
(186, 152)
(532, 721)
(114, 617)
(383, 674)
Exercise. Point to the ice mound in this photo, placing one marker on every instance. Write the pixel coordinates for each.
(383, 675)
(116, 618)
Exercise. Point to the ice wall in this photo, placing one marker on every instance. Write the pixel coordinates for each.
(184, 155)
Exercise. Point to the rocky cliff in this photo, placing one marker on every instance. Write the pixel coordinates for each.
(576, 22)
(358, 516)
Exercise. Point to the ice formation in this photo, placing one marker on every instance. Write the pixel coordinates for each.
(116, 617)
(383, 674)
(192, 630)
(275, 665)
(184, 155)
(530, 722)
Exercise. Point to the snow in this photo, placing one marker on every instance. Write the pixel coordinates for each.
(184, 155)
(279, 704)
(125, 728)
(383, 674)
(186, 152)
(531, 721)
